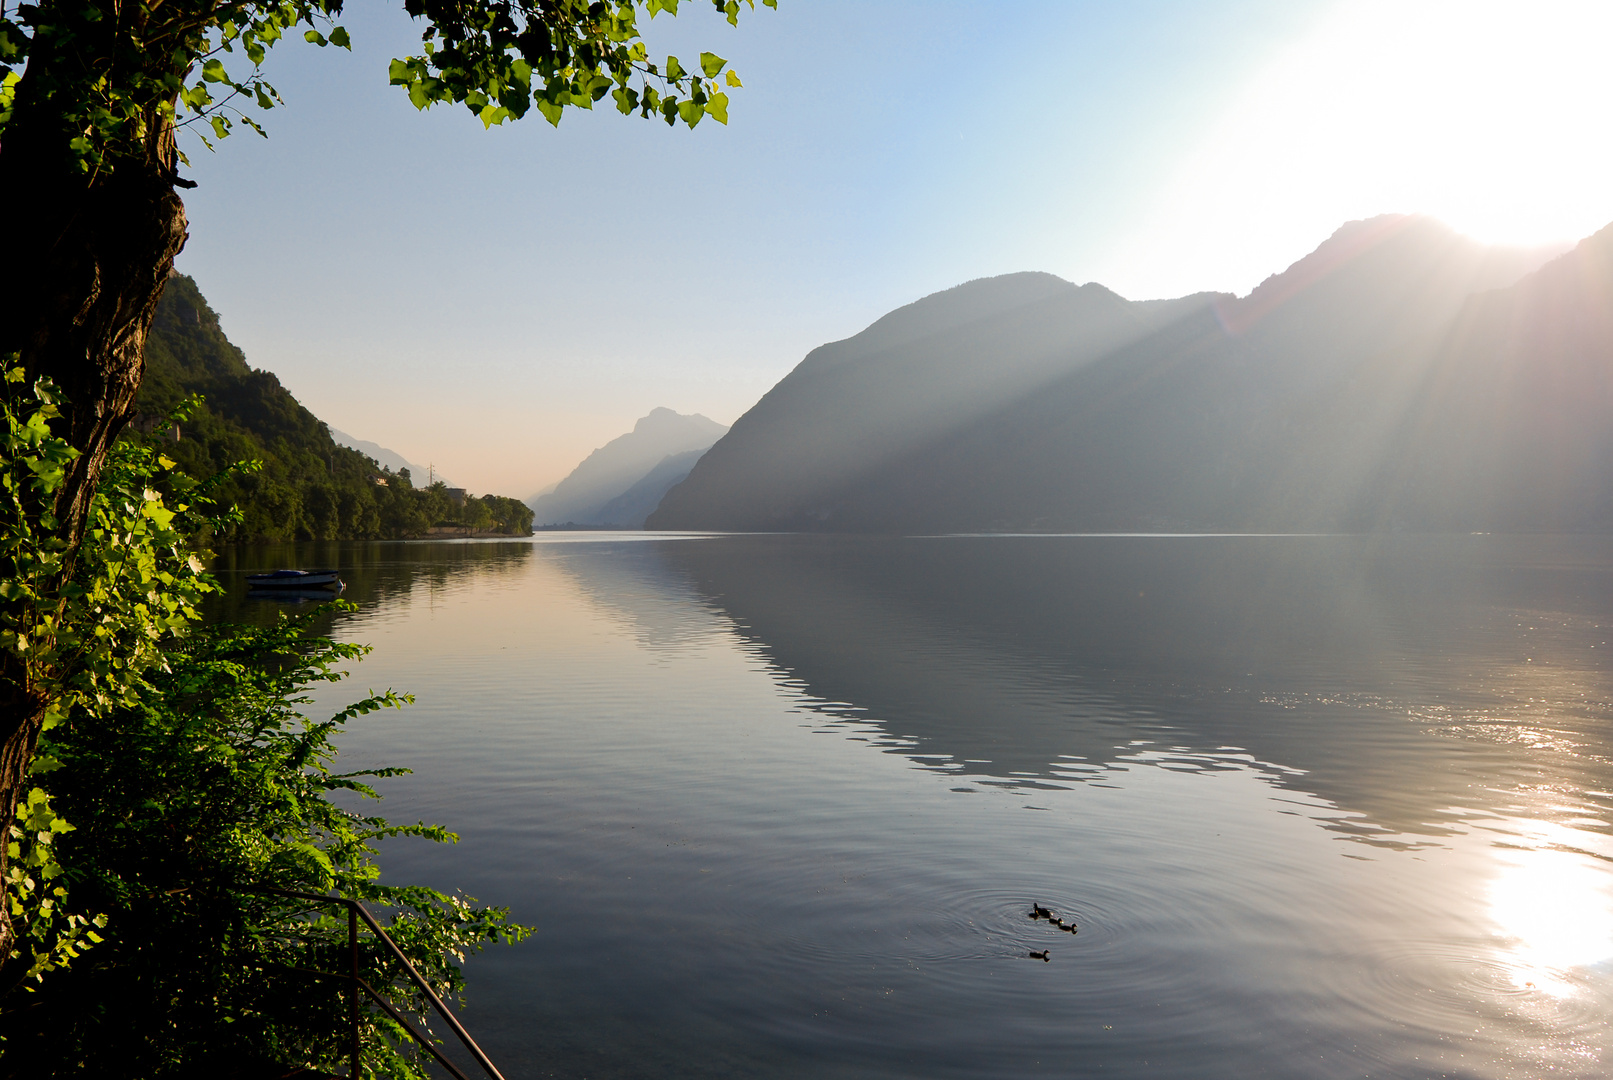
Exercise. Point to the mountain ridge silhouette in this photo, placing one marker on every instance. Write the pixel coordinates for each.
(1329, 398)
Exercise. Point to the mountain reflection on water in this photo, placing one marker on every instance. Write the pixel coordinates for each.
(779, 805)
(1409, 681)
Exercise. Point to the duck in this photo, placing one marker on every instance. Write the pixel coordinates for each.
(1040, 955)
(1039, 912)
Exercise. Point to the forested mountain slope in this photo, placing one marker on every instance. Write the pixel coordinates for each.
(309, 487)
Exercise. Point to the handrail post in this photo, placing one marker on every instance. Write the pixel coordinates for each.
(356, 911)
(352, 990)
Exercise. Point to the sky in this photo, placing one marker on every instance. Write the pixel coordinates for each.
(498, 303)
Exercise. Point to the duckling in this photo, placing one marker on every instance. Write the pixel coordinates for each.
(1039, 912)
(1039, 955)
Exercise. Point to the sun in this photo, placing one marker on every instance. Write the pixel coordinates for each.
(1489, 115)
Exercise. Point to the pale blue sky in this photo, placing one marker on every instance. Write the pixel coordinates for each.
(501, 302)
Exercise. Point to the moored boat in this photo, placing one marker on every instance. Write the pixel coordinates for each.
(295, 579)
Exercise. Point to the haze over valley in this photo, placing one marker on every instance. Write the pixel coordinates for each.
(624, 480)
(1400, 377)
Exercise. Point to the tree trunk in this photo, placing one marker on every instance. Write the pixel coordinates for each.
(89, 254)
(22, 715)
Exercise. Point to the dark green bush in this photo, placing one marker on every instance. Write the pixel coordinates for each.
(178, 777)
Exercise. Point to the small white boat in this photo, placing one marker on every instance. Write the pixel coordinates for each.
(295, 579)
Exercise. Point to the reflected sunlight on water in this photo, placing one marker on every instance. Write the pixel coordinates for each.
(1553, 905)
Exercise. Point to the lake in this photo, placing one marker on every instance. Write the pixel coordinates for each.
(780, 806)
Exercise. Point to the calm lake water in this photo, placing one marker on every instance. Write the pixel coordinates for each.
(779, 806)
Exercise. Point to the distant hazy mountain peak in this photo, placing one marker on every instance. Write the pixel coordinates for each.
(662, 419)
(390, 458)
(616, 467)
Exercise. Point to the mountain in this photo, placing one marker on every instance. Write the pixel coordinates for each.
(631, 507)
(308, 487)
(1322, 400)
(389, 459)
(1509, 428)
(620, 464)
(920, 372)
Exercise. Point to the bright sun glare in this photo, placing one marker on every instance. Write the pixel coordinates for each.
(1555, 910)
(1488, 114)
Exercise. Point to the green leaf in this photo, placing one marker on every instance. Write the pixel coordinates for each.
(717, 108)
(338, 36)
(712, 64)
(551, 112)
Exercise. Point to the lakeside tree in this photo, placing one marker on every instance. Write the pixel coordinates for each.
(93, 95)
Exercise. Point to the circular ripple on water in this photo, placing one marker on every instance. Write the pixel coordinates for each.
(985, 922)
(1425, 984)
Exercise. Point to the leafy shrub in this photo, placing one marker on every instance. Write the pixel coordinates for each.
(182, 779)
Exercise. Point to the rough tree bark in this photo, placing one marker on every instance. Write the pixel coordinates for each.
(89, 254)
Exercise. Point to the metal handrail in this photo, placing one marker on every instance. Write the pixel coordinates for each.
(356, 911)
